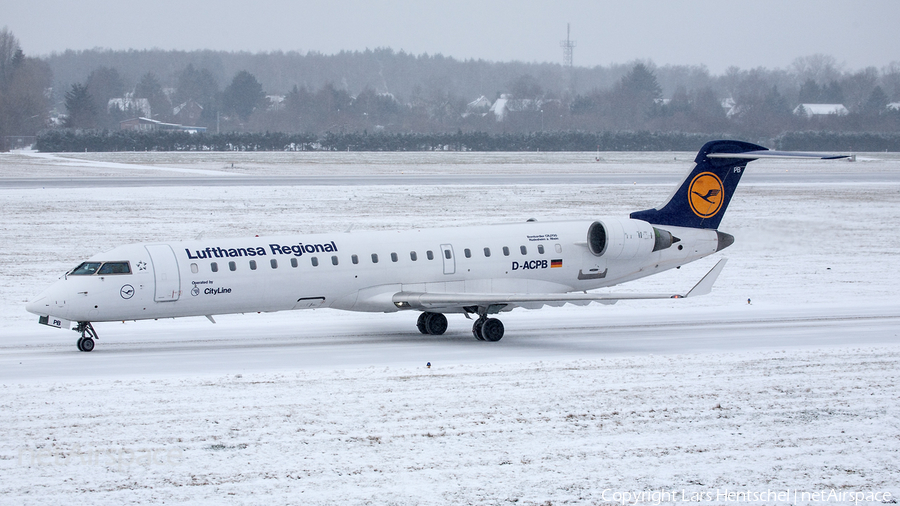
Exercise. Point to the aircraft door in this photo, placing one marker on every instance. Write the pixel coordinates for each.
(449, 260)
(165, 272)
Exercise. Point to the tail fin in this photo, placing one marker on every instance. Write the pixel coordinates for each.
(701, 199)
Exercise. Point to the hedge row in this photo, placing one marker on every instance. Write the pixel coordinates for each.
(123, 140)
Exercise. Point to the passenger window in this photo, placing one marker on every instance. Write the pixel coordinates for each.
(487, 252)
(541, 249)
(354, 259)
(334, 260)
(429, 255)
(468, 253)
(314, 261)
(294, 262)
(274, 263)
(447, 254)
(194, 268)
(252, 265)
(558, 248)
(232, 266)
(523, 249)
(214, 267)
(413, 256)
(394, 257)
(374, 258)
(506, 251)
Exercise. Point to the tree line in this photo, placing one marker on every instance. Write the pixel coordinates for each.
(400, 95)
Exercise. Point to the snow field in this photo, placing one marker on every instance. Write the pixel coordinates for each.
(529, 433)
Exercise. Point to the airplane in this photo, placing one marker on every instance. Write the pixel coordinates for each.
(478, 271)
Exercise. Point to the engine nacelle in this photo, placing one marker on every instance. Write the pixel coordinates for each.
(626, 238)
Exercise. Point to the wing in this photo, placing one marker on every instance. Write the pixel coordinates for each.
(430, 300)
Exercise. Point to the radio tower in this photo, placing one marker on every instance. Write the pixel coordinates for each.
(567, 46)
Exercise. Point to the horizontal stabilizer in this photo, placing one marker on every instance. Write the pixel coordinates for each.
(756, 155)
(704, 286)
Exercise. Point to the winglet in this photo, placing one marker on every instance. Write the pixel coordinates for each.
(704, 286)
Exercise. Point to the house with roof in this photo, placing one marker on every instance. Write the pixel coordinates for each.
(129, 103)
(506, 105)
(481, 106)
(819, 110)
(188, 112)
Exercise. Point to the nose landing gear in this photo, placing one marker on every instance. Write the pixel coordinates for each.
(88, 334)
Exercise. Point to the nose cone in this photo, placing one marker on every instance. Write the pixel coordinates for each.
(39, 305)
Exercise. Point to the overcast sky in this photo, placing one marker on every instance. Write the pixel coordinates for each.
(716, 33)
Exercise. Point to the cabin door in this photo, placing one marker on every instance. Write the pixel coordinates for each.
(165, 272)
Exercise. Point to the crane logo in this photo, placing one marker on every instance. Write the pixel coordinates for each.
(705, 194)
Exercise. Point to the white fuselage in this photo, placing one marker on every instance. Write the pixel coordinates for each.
(361, 271)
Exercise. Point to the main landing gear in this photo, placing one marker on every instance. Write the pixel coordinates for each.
(434, 324)
(487, 329)
(88, 334)
(484, 328)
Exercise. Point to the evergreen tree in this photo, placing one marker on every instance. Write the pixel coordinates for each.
(810, 92)
(641, 82)
(243, 95)
(201, 87)
(634, 98)
(877, 102)
(103, 84)
(82, 113)
(150, 88)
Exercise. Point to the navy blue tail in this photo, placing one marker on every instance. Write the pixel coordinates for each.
(703, 196)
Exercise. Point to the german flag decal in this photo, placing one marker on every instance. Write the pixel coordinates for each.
(555, 263)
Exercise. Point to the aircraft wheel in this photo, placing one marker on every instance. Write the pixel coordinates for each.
(420, 323)
(87, 344)
(492, 330)
(476, 329)
(78, 344)
(435, 323)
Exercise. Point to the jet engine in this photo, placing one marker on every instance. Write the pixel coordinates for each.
(625, 238)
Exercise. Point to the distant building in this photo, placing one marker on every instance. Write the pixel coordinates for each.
(188, 113)
(274, 102)
(481, 105)
(813, 110)
(129, 103)
(730, 106)
(506, 105)
(150, 125)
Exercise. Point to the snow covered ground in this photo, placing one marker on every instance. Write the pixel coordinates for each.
(707, 399)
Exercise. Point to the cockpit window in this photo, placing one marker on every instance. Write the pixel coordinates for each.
(86, 269)
(101, 268)
(115, 268)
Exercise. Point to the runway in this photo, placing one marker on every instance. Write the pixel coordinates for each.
(327, 340)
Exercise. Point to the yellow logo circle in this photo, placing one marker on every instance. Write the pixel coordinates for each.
(705, 194)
